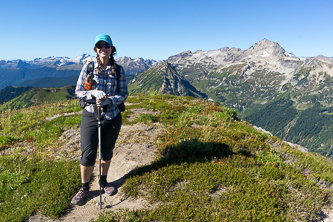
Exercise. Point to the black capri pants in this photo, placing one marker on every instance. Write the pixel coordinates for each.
(89, 137)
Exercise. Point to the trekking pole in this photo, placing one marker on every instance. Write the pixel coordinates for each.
(100, 150)
(100, 157)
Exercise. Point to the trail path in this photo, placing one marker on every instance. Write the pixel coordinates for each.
(135, 147)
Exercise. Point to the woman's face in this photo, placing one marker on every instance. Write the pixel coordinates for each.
(103, 49)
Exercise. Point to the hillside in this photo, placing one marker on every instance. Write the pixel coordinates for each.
(206, 165)
(268, 86)
(10, 92)
(56, 82)
(164, 79)
(134, 66)
(34, 96)
(14, 77)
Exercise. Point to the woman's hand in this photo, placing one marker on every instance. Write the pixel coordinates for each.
(103, 101)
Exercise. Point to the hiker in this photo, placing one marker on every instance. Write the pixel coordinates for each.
(108, 92)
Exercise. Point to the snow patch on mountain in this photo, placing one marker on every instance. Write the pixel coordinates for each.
(135, 65)
(265, 57)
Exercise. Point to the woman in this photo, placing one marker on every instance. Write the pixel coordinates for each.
(108, 93)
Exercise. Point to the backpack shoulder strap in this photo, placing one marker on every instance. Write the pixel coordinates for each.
(118, 75)
(121, 106)
(90, 68)
(117, 71)
(88, 80)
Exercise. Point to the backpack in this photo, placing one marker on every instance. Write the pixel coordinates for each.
(89, 79)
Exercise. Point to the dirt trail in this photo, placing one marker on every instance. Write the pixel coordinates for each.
(126, 158)
(135, 147)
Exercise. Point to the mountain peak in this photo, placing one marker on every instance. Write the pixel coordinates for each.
(325, 59)
(266, 48)
(265, 43)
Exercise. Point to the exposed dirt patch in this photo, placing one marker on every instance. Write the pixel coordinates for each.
(136, 146)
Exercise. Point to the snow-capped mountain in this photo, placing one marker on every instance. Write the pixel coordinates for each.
(131, 66)
(287, 95)
(37, 63)
(80, 58)
(22, 73)
(135, 66)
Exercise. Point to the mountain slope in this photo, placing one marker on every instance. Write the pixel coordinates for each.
(15, 77)
(10, 92)
(163, 79)
(134, 66)
(268, 86)
(50, 82)
(36, 96)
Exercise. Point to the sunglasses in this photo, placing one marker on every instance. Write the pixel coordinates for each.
(99, 46)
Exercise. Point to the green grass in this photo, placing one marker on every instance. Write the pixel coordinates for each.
(35, 180)
(119, 215)
(211, 166)
(31, 124)
(28, 185)
(214, 167)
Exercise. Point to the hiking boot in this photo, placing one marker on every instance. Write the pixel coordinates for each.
(79, 198)
(109, 190)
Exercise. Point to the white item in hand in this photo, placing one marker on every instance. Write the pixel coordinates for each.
(98, 94)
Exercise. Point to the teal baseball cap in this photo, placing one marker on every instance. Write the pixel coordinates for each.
(103, 37)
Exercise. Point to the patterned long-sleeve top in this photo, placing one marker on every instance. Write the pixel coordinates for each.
(106, 82)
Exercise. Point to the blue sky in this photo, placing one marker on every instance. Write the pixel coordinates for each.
(158, 29)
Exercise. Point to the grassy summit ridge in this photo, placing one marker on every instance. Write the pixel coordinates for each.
(211, 166)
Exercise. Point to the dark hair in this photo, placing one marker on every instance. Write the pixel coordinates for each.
(112, 61)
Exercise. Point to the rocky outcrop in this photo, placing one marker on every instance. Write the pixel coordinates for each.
(175, 84)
